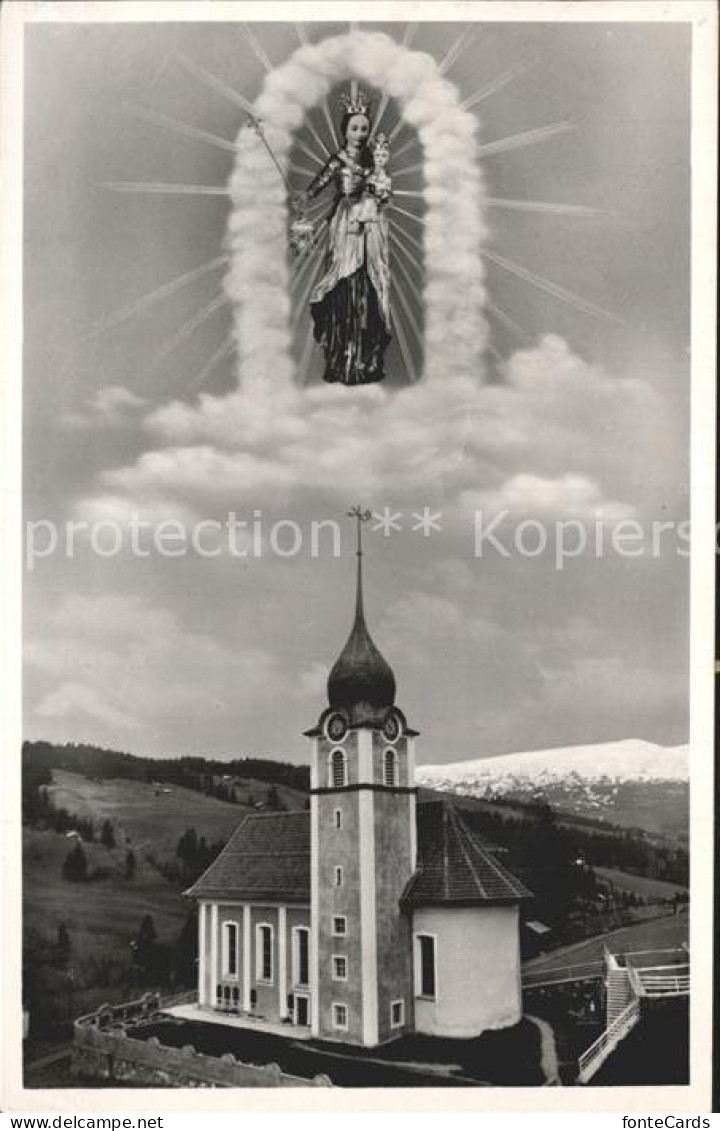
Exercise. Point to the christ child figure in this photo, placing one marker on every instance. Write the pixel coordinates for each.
(377, 189)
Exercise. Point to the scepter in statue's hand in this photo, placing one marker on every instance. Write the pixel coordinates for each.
(302, 231)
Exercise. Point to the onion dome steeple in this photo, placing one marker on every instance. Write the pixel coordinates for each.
(361, 682)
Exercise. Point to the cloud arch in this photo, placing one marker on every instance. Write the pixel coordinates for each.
(258, 280)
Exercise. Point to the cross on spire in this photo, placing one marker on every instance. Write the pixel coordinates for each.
(360, 516)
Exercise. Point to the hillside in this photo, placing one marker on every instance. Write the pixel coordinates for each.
(102, 916)
(170, 832)
(145, 815)
(193, 771)
(632, 783)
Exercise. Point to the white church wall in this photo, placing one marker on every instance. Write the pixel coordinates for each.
(477, 964)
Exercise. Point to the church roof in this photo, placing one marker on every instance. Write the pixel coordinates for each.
(361, 682)
(267, 857)
(454, 867)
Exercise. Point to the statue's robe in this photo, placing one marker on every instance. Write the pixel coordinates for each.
(351, 303)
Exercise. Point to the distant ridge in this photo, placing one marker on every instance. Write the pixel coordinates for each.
(631, 782)
(631, 759)
(187, 770)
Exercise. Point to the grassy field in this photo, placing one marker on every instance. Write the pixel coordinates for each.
(650, 889)
(153, 817)
(103, 915)
(670, 931)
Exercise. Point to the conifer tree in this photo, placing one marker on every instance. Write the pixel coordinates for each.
(107, 836)
(75, 867)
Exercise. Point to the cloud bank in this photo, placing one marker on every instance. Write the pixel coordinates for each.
(557, 436)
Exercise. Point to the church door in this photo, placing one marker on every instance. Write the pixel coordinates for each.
(301, 1010)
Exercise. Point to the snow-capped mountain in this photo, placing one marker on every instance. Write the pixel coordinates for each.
(631, 782)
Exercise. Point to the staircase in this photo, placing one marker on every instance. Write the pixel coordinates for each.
(618, 989)
(627, 986)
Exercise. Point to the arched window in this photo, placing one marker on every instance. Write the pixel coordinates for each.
(301, 956)
(338, 770)
(264, 953)
(230, 949)
(390, 774)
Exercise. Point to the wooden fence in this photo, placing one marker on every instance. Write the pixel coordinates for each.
(103, 1050)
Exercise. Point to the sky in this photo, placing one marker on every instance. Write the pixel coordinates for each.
(575, 415)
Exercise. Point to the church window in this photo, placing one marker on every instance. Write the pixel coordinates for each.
(338, 877)
(338, 818)
(264, 952)
(390, 774)
(425, 966)
(301, 956)
(230, 950)
(339, 1015)
(339, 926)
(397, 1013)
(338, 769)
(339, 968)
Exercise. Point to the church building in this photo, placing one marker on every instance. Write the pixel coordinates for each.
(370, 915)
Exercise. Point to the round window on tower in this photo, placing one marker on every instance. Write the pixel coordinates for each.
(392, 726)
(336, 727)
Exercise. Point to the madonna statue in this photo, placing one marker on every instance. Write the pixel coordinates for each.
(350, 305)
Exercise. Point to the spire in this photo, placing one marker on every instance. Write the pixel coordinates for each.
(361, 516)
(361, 681)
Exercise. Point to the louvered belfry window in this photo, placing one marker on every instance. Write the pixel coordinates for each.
(390, 768)
(337, 769)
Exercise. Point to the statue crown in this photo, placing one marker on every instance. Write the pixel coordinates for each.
(382, 141)
(358, 103)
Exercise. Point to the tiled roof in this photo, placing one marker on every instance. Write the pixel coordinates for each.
(454, 867)
(267, 857)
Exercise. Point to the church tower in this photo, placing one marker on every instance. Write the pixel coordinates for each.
(363, 846)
